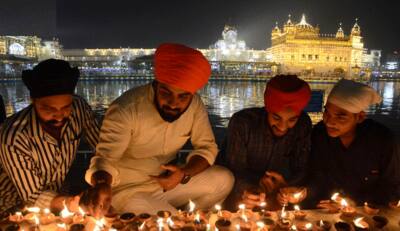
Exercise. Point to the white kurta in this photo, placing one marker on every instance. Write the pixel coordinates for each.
(135, 141)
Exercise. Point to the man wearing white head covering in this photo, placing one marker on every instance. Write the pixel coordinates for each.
(353, 96)
(355, 156)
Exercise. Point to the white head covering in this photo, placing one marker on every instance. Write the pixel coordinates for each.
(353, 96)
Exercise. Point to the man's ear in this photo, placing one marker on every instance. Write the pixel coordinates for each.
(361, 116)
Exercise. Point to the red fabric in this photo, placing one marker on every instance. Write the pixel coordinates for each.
(181, 67)
(286, 91)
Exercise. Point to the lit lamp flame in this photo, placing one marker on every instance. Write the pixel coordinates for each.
(321, 223)
(170, 222)
(283, 212)
(46, 211)
(360, 223)
(208, 227)
(100, 224)
(245, 219)
(62, 226)
(160, 223)
(293, 227)
(65, 213)
(260, 225)
(191, 206)
(398, 204)
(237, 227)
(335, 196)
(297, 208)
(218, 208)
(37, 223)
(141, 227)
(263, 204)
(82, 213)
(297, 195)
(33, 210)
(344, 203)
(308, 226)
(242, 208)
(197, 217)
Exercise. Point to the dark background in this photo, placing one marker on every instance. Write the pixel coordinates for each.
(198, 23)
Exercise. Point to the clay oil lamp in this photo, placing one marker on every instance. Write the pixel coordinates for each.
(299, 214)
(323, 225)
(380, 221)
(360, 224)
(347, 210)
(370, 209)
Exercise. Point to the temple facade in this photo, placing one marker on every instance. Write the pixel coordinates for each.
(300, 48)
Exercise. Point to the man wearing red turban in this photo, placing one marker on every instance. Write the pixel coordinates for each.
(144, 129)
(269, 146)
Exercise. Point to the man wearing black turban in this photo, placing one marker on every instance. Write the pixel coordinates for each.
(39, 143)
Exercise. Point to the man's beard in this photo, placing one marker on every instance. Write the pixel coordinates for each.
(52, 123)
(167, 116)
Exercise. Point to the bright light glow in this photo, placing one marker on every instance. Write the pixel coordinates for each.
(297, 208)
(65, 213)
(335, 196)
(308, 226)
(191, 206)
(344, 203)
(360, 223)
(33, 210)
(297, 195)
(260, 224)
(17, 49)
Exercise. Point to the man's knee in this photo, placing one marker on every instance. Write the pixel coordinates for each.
(220, 178)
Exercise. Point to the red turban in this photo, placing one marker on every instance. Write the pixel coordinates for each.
(286, 91)
(181, 67)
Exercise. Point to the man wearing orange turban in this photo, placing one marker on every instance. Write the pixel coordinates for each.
(144, 129)
(270, 146)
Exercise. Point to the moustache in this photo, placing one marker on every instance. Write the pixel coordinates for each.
(54, 122)
(169, 109)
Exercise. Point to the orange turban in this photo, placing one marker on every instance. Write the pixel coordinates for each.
(286, 91)
(181, 67)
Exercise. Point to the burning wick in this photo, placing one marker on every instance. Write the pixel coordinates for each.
(160, 224)
(237, 227)
(33, 210)
(360, 223)
(192, 206)
(283, 212)
(308, 226)
(242, 208)
(344, 203)
(297, 195)
(335, 197)
(218, 208)
(61, 227)
(141, 227)
(260, 225)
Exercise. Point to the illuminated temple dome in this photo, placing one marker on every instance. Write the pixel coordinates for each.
(230, 40)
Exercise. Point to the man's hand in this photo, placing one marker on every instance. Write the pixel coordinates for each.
(72, 203)
(97, 200)
(170, 180)
(272, 181)
(252, 200)
(329, 205)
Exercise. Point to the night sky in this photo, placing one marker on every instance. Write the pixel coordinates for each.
(198, 23)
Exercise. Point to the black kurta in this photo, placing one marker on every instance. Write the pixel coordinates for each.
(367, 171)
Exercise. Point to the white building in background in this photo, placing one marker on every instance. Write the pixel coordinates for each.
(231, 48)
(372, 59)
(29, 48)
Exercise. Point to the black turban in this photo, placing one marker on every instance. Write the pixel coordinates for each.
(51, 77)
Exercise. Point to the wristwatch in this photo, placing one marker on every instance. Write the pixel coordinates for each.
(186, 178)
